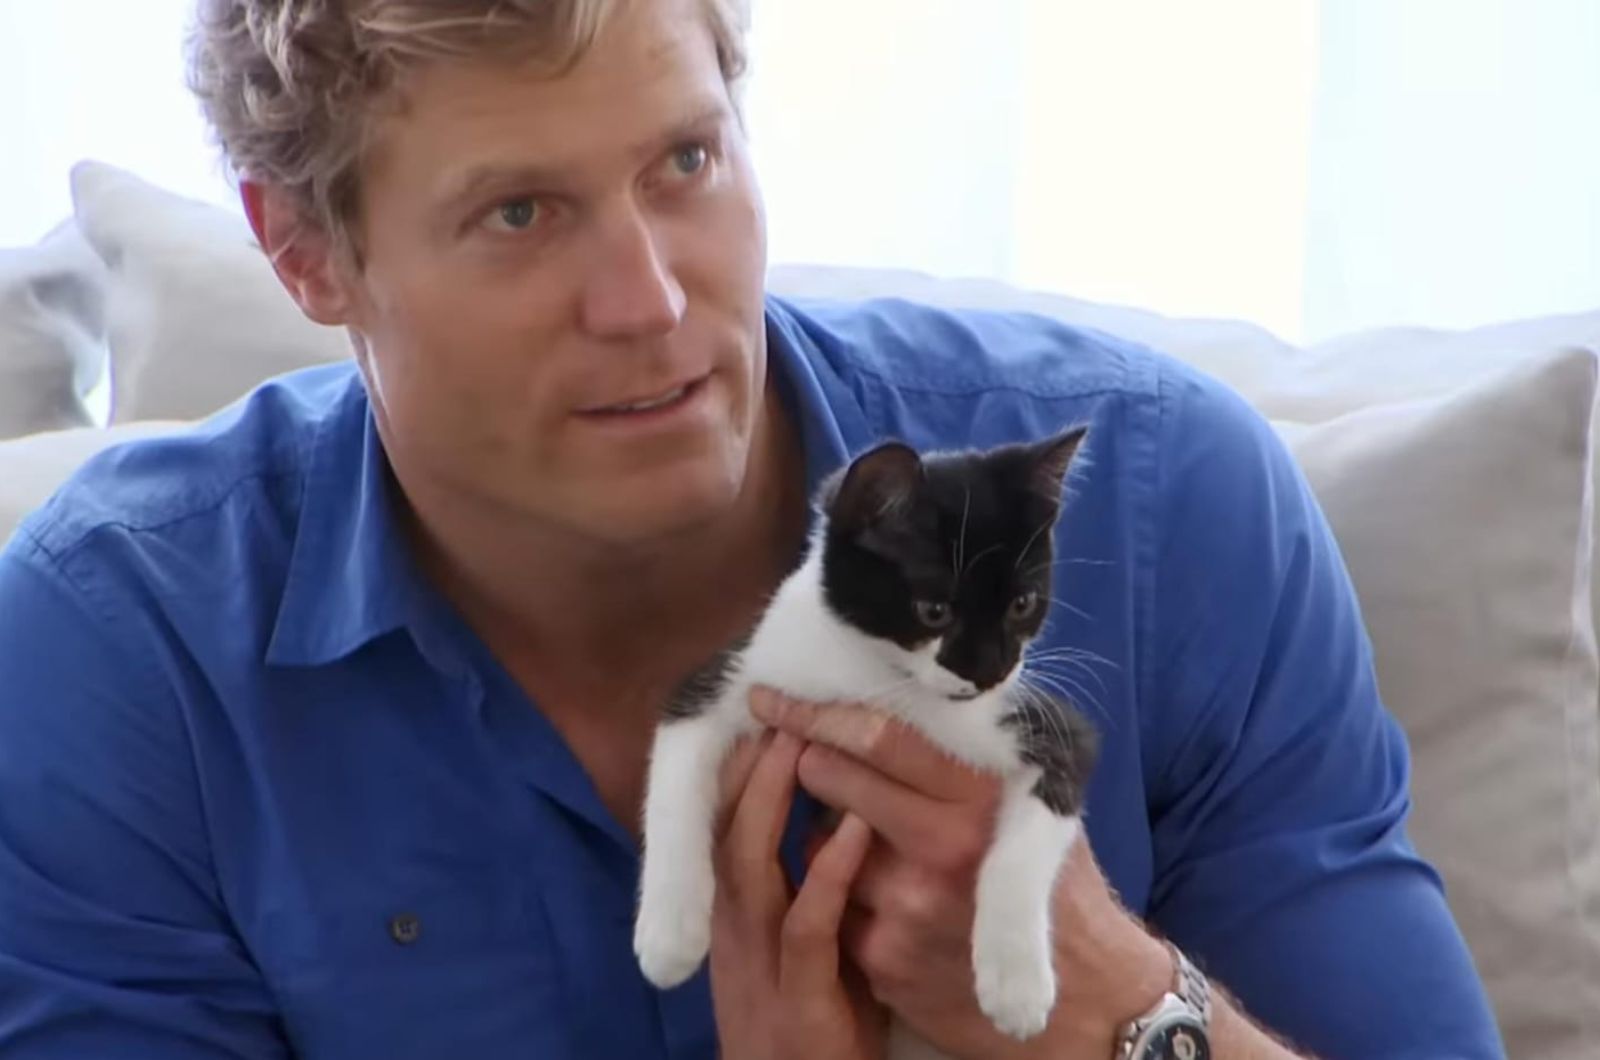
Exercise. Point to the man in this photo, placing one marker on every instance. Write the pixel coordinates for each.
(323, 727)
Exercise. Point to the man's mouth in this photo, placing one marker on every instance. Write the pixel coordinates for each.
(647, 403)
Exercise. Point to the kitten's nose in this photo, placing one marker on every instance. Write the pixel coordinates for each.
(989, 670)
(981, 666)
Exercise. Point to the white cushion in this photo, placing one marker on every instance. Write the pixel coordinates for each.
(52, 332)
(1402, 363)
(1248, 357)
(32, 468)
(197, 317)
(1465, 520)
(1281, 379)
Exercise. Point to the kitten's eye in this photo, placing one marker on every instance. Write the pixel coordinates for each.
(933, 614)
(1024, 605)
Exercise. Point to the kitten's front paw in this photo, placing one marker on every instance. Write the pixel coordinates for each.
(1016, 985)
(672, 935)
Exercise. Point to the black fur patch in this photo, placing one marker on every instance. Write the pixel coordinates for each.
(703, 687)
(953, 547)
(1054, 736)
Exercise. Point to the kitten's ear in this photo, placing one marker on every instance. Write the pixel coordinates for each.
(878, 484)
(1052, 458)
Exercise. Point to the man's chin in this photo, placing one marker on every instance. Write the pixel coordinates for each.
(653, 518)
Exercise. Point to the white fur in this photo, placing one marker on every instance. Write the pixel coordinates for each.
(1011, 949)
(801, 647)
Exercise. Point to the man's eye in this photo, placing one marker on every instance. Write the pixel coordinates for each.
(516, 215)
(690, 159)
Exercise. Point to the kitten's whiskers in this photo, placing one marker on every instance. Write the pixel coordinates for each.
(975, 559)
(1054, 602)
(961, 539)
(1065, 686)
(1047, 524)
(1067, 561)
(1039, 704)
(1079, 658)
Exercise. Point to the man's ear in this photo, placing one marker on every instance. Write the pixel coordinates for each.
(302, 253)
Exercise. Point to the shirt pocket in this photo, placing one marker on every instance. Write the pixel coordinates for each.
(464, 971)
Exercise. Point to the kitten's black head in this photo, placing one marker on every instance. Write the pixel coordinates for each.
(947, 556)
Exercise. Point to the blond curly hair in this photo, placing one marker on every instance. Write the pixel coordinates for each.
(291, 88)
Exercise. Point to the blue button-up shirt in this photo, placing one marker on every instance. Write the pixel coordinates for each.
(263, 793)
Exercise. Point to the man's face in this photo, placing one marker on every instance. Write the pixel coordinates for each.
(561, 299)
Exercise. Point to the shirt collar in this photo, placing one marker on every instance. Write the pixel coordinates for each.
(352, 577)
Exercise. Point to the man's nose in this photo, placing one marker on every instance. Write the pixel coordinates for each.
(630, 291)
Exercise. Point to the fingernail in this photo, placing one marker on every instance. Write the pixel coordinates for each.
(766, 704)
(853, 828)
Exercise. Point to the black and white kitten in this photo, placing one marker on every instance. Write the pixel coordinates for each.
(925, 580)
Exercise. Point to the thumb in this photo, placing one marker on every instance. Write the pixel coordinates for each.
(809, 953)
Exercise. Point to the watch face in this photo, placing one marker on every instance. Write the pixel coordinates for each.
(1179, 1040)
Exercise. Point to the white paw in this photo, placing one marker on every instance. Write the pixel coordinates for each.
(1016, 985)
(672, 933)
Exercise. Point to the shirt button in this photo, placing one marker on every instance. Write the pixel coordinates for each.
(405, 928)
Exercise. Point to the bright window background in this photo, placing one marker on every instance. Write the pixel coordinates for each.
(1316, 166)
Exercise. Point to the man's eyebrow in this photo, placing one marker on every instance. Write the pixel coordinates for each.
(484, 177)
(478, 179)
(698, 122)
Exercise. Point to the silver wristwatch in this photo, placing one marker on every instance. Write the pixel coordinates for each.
(1175, 1029)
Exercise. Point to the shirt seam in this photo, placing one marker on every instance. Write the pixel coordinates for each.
(80, 539)
(1146, 551)
(950, 390)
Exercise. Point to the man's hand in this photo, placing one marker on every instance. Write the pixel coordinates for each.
(909, 928)
(776, 979)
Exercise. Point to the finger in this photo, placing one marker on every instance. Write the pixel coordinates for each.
(856, 942)
(936, 831)
(761, 815)
(822, 825)
(912, 893)
(874, 887)
(813, 846)
(735, 774)
(880, 953)
(809, 958)
(893, 747)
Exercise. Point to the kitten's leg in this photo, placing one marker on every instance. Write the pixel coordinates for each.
(1011, 941)
(672, 933)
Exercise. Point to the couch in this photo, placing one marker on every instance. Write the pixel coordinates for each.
(1457, 468)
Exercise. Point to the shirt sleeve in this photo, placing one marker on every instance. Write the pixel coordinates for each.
(1279, 783)
(113, 938)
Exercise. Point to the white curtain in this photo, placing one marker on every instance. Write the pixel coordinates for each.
(1455, 162)
(94, 79)
(1316, 167)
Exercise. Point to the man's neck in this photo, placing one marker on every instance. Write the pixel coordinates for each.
(579, 620)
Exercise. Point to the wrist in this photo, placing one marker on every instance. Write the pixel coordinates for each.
(1110, 968)
(1145, 975)
(1111, 974)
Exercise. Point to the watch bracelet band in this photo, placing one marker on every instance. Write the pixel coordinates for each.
(1189, 989)
(1191, 986)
